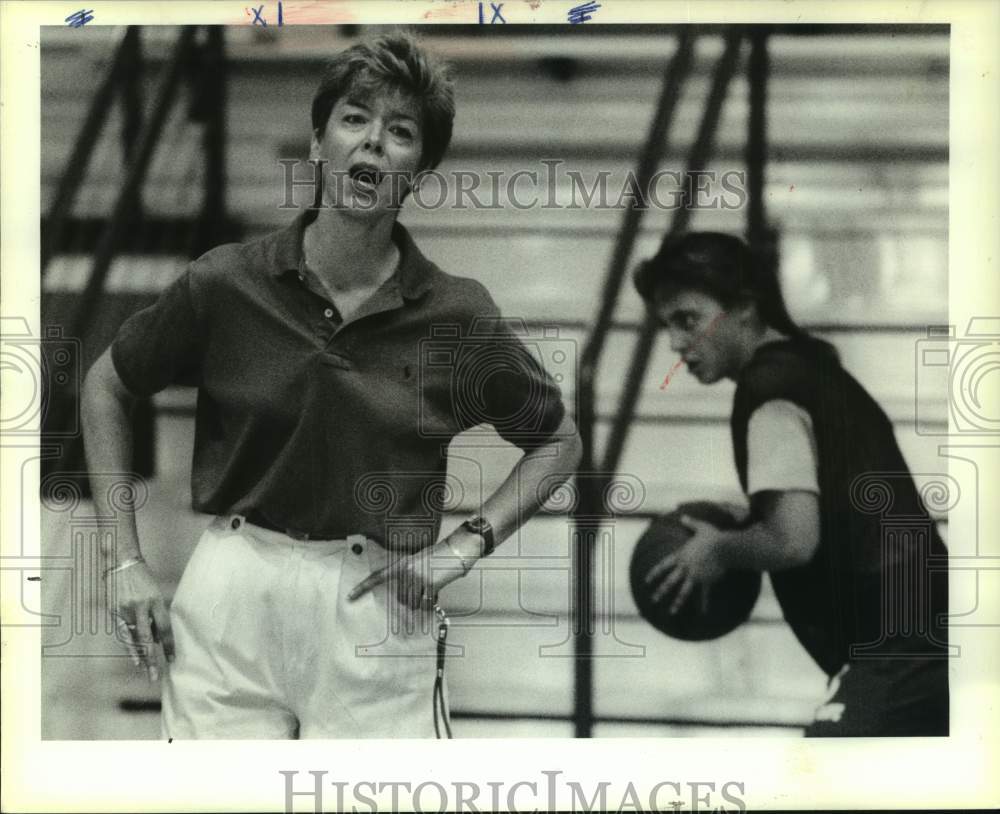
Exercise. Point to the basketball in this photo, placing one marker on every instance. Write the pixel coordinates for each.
(730, 600)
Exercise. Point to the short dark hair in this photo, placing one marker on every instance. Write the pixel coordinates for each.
(393, 62)
(713, 263)
(723, 267)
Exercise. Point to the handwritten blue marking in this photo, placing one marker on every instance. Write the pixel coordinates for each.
(580, 14)
(260, 19)
(82, 17)
(257, 19)
(495, 8)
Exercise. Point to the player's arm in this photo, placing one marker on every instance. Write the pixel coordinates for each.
(784, 507)
(784, 535)
(784, 492)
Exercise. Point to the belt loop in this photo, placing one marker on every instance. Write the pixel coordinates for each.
(356, 542)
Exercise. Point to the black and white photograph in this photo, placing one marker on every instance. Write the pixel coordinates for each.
(520, 375)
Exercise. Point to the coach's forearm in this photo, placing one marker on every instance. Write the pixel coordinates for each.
(532, 480)
(105, 412)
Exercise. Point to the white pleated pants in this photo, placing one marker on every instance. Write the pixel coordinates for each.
(268, 645)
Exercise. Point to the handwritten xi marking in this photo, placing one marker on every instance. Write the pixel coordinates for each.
(259, 19)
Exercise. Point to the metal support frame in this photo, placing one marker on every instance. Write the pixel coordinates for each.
(146, 143)
(79, 159)
(212, 110)
(761, 238)
(120, 217)
(592, 489)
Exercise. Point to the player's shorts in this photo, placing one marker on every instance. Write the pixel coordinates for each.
(898, 697)
(268, 645)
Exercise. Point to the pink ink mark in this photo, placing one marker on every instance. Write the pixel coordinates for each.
(319, 12)
(704, 334)
(452, 11)
(673, 370)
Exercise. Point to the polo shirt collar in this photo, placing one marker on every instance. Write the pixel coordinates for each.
(414, 274)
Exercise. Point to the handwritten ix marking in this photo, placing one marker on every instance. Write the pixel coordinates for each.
(82, 17)
(258, 17)
(495, 8)
(582, 13)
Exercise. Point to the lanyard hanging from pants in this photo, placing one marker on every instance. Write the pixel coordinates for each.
(441, 711)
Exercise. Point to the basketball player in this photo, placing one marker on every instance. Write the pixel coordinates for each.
(803, 430)
(312, 407)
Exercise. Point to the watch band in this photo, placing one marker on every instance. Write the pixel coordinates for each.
(481, 526)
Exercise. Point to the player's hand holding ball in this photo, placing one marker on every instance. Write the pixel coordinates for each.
(695, 564)
(680, 552)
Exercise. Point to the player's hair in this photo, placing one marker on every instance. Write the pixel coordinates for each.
(392, 62)
(723, 267)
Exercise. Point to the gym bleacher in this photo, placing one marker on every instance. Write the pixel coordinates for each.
(857, 189)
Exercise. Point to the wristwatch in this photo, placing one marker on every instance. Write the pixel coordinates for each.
(481, 526)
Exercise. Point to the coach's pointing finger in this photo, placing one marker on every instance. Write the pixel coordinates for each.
(374, 579)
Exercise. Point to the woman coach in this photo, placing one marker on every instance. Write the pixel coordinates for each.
(305, 348)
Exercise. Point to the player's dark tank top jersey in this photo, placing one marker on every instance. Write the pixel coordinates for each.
(838, 599)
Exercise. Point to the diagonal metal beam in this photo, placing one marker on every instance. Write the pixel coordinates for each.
(83, 149)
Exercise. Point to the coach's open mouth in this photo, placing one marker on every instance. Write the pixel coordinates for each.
(365, 175)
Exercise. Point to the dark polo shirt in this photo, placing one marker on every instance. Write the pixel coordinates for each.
(324, 427)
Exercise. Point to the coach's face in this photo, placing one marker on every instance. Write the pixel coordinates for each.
(372, 147)
(711, 340)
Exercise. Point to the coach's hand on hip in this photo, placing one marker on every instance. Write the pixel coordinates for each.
(416, 578)
(141, 612)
